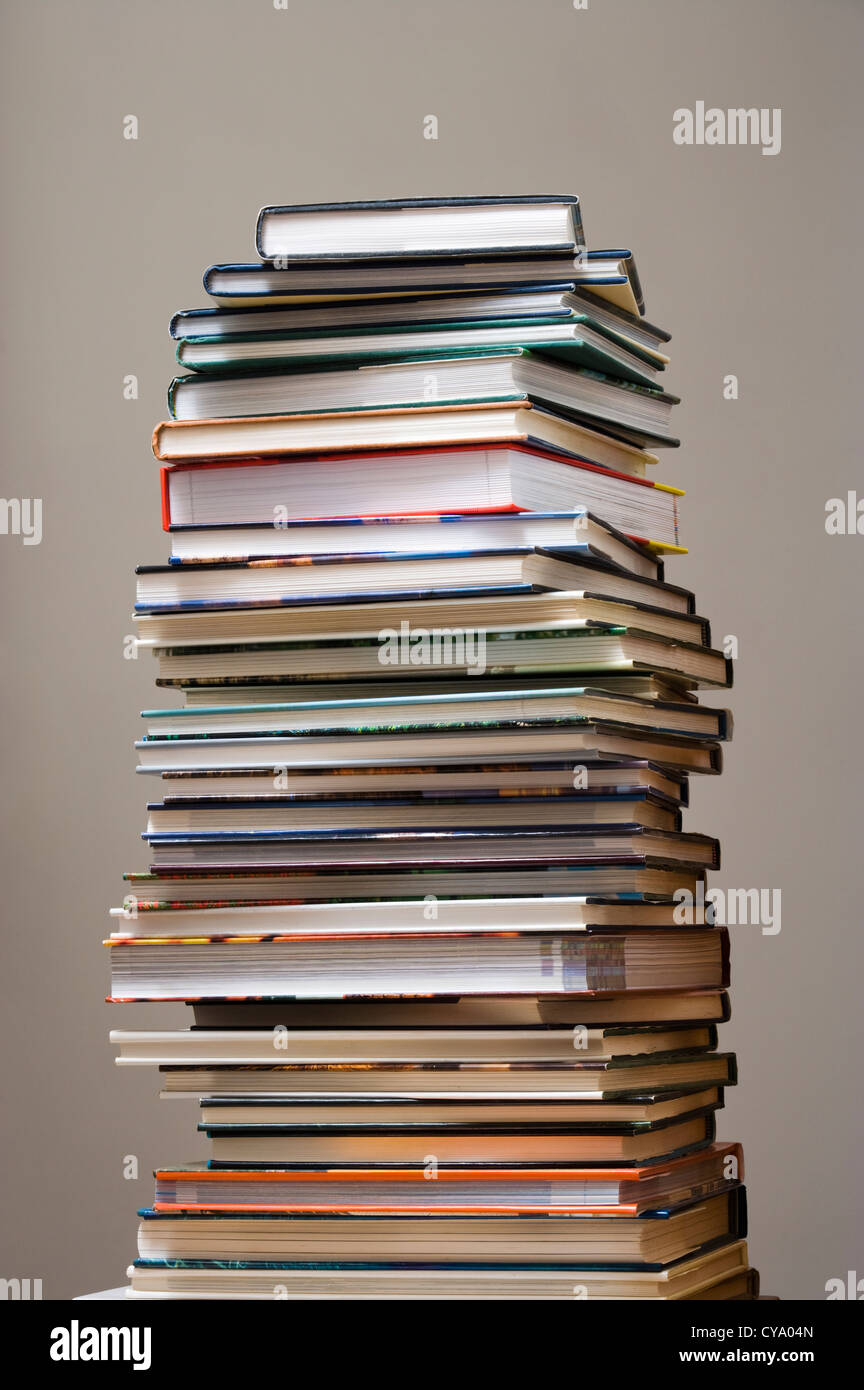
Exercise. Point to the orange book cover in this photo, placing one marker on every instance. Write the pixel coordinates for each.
(627, 1178)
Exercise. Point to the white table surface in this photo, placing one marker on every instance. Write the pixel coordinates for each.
(106, 1294)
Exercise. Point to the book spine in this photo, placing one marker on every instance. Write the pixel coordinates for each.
(165, 490)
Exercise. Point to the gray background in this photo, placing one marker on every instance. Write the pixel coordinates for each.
(751, 261)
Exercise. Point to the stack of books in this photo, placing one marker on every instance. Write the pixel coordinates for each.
(417, 862)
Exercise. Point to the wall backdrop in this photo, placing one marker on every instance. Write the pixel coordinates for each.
(752, 261)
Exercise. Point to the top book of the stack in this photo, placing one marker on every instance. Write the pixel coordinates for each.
(419, 227)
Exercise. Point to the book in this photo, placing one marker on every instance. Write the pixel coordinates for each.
(412, 1044)
(420, 227)
(350, 579)
(641, 808)
(446, 1011)
(472, 480)
(264, 886)
(590, 740)
(580, 340)
(278, 754)
(423, 426)
(341, 284)
(332, 966)
(460, 781)
(371, 578)
(393, 623)
(656, 1116)
(608, 276)
(482, 1147)
(353, 918)
(478, 706)
(638, 414)
(202, 1279)
(621, 1192)
(510, 304)
(577, 534)
(614, 658)
(528, 1086)
(625, 844)
(661, 1007)
(642, 685)
(480, 1144)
